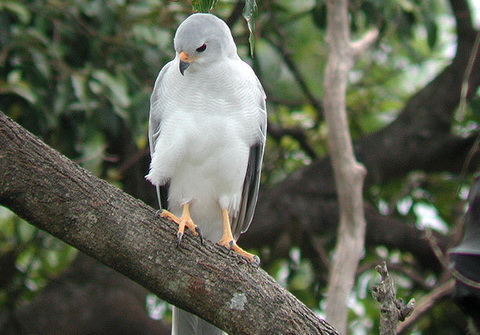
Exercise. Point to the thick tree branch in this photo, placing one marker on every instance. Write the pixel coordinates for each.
(57, 196)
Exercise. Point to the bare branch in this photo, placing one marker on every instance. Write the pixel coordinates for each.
(360, 46)
(349, 174)
(425, 304)
(297, 133)
(392, 309)
(292, 66)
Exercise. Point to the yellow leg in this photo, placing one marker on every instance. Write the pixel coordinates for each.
(184, 221)
(228, 242)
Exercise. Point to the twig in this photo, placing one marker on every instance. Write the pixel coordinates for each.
(360, 46)
(466, 80)
(392, 309)
(444, 261)
(287, 58)
(425, 304)
(414, 276)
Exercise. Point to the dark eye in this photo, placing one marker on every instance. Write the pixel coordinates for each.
(202, 48)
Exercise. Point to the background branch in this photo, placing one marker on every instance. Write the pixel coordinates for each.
(297, 133)
(392, 309)
(349, 174)
(426, 303)
(279, 43)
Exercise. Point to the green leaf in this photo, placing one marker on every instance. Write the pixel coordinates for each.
(250, 13)
(18, 9)
(117, 90)
(203, 6)
(15, 84)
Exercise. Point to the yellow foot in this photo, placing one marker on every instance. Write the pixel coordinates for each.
(232, 245)
(184, 221)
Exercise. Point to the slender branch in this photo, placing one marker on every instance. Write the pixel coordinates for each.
(349, 174)
(425, 304)
(466, 80)
(297, 133)
(278, 43)
(235, 14)
(360, 46)
(57, 196)
(444, 261)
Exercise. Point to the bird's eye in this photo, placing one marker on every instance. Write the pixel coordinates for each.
(202, 48)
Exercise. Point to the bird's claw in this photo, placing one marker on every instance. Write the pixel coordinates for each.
(184, 221)
(179, 239)
(232, 246)
(199, 232)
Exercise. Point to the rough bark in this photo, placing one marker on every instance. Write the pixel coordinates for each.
(59, 197)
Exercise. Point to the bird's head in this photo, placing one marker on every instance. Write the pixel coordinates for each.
(203, 39)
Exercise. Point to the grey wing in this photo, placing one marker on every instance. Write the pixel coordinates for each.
(154, 128)
(251, 184)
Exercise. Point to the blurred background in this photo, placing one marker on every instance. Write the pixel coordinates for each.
(79, 74)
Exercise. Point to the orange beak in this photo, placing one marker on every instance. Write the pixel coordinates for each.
(184, 56)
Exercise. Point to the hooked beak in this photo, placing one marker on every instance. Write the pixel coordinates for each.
(185, 61)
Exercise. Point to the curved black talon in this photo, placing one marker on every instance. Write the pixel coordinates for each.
(179, 239)
(158, 213)
(256, 260)
(199, 232)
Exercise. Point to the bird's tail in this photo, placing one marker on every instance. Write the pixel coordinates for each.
(185, 323)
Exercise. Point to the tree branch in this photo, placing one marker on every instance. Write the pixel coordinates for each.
(425, 304)
(56, 195)
(349, 174)
(279, 44)
(297, 133)
(360, 46)
(392, 309)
